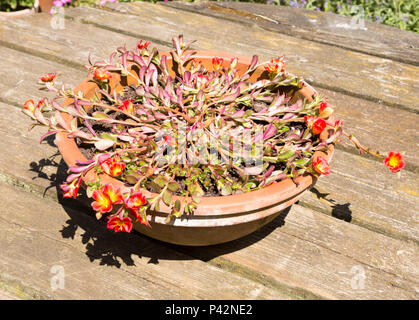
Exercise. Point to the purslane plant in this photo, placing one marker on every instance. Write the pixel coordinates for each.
(196, 133)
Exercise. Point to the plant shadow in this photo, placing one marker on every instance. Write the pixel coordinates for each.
(114, 249)
(339, 211)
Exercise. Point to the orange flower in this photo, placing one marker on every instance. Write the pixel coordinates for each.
(135, 201)
(321, 165)
(102, 75)
(217, 63)
(394, 161)
(112, 166)
(316, 125)
(141, 45)
(103, 203)
(29, 105)
(127, 106)
(113, 193)
(116, 169)
(117, 224)
(48, 77)
(276, 65)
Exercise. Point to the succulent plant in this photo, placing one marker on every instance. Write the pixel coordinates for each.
(183, 130)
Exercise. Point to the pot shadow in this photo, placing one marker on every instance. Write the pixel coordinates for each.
(114, 249)
(339, 211)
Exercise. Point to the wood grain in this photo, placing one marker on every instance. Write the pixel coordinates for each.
(302, 254)
(369, 77)
(98, 264)
(369, 121)
(323, 27)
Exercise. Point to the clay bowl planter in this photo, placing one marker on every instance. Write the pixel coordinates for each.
(16, 14)
(40, 5)
(216, 219)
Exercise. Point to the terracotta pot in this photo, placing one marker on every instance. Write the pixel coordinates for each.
(45, 5)
(217, 219)
(16, 14)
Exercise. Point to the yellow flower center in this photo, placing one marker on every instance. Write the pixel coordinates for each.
(394, 162)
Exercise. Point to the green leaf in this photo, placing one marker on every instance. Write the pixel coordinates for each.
(173, 186)
(108, 136)
(286, 155)
(100, 115)
(226, 190)
(132, 178)
(73, 124)
(160, 181)
(301, 162)
(167, 198)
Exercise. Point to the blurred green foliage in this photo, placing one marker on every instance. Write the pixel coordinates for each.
(12, 5)
(403, 14)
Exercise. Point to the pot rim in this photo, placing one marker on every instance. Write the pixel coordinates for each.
(16, 14)
(243, 203)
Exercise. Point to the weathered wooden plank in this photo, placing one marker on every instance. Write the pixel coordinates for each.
(23, 72)
(370, 121)
(377, 126)
(37, 244)
(364, 192)
(286, 245)
(324, 27)
(322, 272)
(302, 249)
(326, 66)
(69, 45)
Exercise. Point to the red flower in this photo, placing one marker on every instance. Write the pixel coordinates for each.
(29, 105)
(202, 80)
(40, 104)
(102, 75)
(71, 190)
(338, 124)
(135, 201)
(116, 169)
(48, 77)
(127, 106)
(113, 193)
(233, 62)
(394, 161)
(142, 219)
(112, 166)
(276, 65)
(117, 224)
(103, 203)
(217, 63)
(324, 110)
(316, 125)
(321, 165)
(141, 45)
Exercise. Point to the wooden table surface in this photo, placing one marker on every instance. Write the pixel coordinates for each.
(353, 236)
